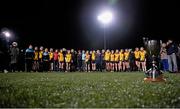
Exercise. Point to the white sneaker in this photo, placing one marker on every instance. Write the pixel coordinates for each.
(5, 71)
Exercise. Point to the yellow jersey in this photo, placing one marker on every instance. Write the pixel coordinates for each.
(36, 53)
(40, 54)
(121, 56)
(112, 57)
(107, 56)
(61, 57)
(51, 55)
(137, 54)
(126, 56)
(87, 57)
(142, 55)
(93, 56)
(68, 57)
(116, 58)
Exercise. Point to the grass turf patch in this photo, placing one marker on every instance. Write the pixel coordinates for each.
(87, 90)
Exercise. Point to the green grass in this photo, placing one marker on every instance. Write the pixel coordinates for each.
(87, 90)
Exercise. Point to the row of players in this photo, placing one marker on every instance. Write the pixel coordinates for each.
(44, 59)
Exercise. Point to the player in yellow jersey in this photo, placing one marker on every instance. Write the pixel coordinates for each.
(93, 59)
(40, 58)
(121, 65)
(87, 60)
(61, 60)
(126, 59)
(143, 58)
(137, 58)
(107, 59)
(112, 58)
(116, 59)
(68, 60)
(51, 58)
(36, 58)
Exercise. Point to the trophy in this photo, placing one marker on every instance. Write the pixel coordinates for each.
(154, 74)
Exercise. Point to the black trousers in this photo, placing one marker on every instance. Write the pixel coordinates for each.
(98, 67)
(13, 67)
(29, 63)
(46, 66)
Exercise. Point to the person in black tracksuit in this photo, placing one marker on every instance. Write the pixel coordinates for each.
(46, 65)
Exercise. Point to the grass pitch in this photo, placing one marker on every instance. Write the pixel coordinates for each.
(87, 90)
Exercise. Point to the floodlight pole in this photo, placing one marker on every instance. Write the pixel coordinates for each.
(104, 37)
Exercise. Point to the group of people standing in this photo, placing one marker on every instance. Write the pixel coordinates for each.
(96, 60)
(41, 59)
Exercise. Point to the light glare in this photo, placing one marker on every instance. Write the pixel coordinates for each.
(105, 17)
(7, 34)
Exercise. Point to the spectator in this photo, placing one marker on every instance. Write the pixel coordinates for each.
(178, 56)
(164, 57)
(171, 52)
(14, 54)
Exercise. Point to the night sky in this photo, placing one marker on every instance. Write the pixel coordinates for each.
(73, 23)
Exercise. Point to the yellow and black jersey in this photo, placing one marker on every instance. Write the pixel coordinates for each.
(87, 57)
(142, 55)
(61, 57)
(137, 54)
(116, 57)
(93, 56)
(112, 57)
(36, 56)
(126, 56)
(107, 56)
(40, 55)
(68, 58)
(51, 55)
(121, 56)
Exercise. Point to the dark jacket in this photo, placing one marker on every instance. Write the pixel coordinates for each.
(14, 54)
(172, 48)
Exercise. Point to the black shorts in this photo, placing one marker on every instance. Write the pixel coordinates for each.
(137, 59)
(107, 61)
(112, 62)
(51, 61)
(121, 61)
(126, 60)
(116, 62)
(61, 62)
(93, 61)
(142, 60)
(87, 62)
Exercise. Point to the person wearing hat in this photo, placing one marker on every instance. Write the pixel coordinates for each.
(14, 54)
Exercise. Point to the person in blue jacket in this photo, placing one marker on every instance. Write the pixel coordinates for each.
(29, 55)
